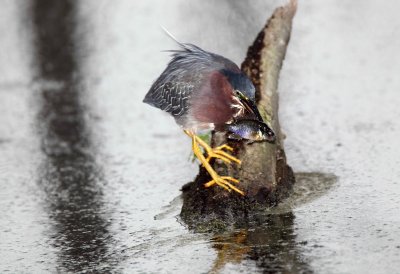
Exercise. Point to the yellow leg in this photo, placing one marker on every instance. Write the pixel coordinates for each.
(224, 146)
(217, 152)
(222, 181)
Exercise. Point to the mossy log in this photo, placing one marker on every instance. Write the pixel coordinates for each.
(264, 174)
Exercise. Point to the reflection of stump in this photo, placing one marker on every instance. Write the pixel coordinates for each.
(272, 246)
(264, 175)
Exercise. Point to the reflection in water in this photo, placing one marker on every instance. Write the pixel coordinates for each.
(272, 246)
(270, 240)
(69, 175)
(230, 249)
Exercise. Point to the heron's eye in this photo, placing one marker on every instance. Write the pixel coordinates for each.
(241, 95)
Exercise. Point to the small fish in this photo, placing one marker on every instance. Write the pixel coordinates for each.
(252, 130)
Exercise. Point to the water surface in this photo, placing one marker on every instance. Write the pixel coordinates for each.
(90, 176)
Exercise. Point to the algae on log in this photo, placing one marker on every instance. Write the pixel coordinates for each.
(264, 174)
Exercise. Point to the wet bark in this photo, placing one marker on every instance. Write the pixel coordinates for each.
(264, 174)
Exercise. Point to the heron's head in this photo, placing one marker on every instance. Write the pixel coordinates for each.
(244, 90)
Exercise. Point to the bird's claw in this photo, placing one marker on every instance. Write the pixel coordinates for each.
(224, 146)
(218, 153)
(223, 181)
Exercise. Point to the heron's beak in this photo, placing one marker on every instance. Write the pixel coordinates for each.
(253, 109)
(249, 105)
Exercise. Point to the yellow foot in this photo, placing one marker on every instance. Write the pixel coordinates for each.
(223, 181)
(220, 154)
(217, 152)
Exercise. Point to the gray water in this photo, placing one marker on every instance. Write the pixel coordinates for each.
(90, 176)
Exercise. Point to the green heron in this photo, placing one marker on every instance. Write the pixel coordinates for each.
(205, 91)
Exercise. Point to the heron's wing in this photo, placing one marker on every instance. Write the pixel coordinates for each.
(214, 102)
(171, 97)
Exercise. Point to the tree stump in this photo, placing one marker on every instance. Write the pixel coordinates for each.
(264, 174)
